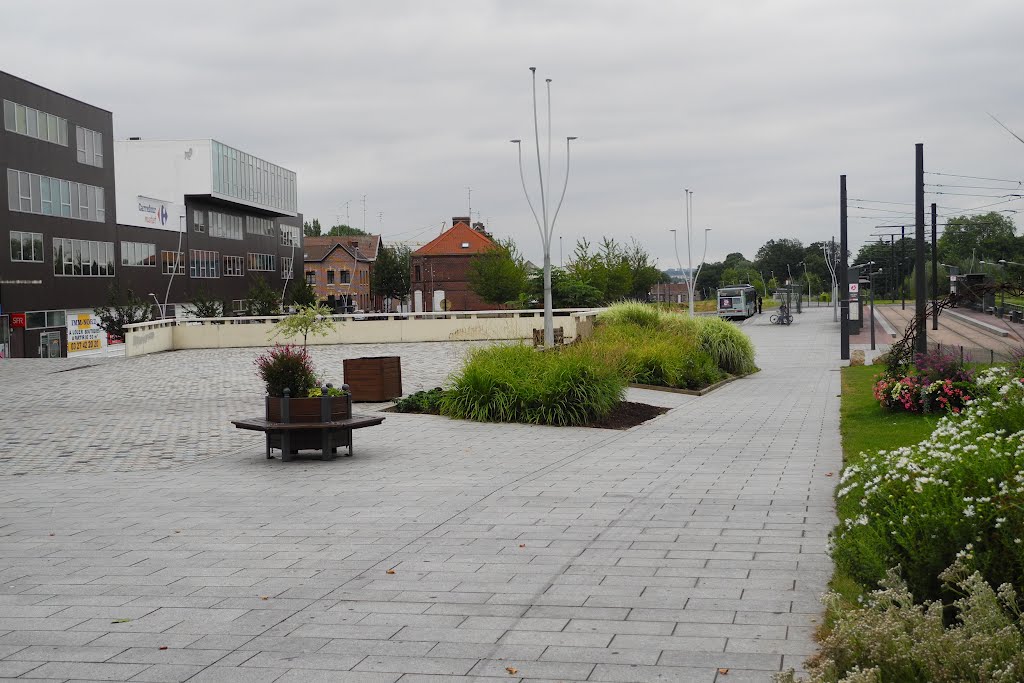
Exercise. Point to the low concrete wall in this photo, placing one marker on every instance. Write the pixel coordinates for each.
(151, 337)
(219, 333)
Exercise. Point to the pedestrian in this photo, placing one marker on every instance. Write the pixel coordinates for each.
(760, 302)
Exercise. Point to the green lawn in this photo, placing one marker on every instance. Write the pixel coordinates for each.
(865, 426)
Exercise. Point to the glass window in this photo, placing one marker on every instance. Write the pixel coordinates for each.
(82, 257)
(26, 246)
(9, 116)
(33, 193)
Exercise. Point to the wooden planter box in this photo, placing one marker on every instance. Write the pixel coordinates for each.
(374, 379)
(299, 410)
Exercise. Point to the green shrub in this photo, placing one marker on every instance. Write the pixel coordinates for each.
(631, 313)
(514, 383)
(957, 494)
(668, 356)
(727, 345)
(287, 367)
(428, 401)
(895, 639)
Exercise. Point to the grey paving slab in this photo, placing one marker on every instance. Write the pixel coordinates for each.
(143, 520)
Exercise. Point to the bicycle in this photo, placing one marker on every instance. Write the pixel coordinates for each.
(783, 317)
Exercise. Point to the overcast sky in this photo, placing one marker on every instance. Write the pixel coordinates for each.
(757, 107)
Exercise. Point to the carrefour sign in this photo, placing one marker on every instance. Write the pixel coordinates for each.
(154, 213)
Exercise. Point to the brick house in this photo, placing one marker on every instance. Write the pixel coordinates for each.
(439, 279)
(338, 272)
(673, 292)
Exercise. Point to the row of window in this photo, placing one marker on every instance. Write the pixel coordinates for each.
(344, 277)
(249, 178)
(26, 246)
(259, 226)
(39, 194)
(225, 225)
(34, 123)
(262, 262)
(289, 235)
(90, 146)
(83, 257)
(138, 254)
(93, 258)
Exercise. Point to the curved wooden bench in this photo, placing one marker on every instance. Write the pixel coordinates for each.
(288, 436)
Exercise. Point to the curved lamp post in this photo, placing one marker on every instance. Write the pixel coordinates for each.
(546, 220)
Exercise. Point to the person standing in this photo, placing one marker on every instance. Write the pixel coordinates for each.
(760, 303)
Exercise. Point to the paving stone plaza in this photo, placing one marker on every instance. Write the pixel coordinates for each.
(144, 539)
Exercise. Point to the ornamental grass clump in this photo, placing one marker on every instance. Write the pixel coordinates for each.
(667, 356)
(514, 383)
(957, 494)
(631, 312)
(896, 638)
(726, 344)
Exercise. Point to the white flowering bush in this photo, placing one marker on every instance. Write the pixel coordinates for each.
(959, 494)
(895, 638)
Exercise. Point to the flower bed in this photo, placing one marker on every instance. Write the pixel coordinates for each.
(937, 383)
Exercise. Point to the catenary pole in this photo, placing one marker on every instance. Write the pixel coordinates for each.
(935, 268)
(920, 284)
(844, 276)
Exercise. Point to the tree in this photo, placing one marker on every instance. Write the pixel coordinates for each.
(312, 229)
(779, 256)
(301, 293)
(345, 231)
(203, 305)
(262, 299)
(309, 320)
(122, 308)
(498, 275)
(989, 236)
(391, 279)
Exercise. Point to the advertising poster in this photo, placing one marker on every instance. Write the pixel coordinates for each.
(84, 335)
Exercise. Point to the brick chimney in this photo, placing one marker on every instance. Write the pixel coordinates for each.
(460, 219)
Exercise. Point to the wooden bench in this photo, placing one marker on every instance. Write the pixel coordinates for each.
(291, 437)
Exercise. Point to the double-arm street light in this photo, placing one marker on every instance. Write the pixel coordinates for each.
(546, 220)
(691, 277)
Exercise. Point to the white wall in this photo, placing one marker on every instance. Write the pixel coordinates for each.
(169, 169)
(151, 337)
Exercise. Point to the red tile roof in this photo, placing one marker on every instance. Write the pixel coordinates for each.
(318, 252)
(368, 245)
(458, 240)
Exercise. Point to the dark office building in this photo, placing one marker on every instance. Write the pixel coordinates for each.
(178, 217)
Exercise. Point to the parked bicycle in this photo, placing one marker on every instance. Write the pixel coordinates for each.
(783, 317)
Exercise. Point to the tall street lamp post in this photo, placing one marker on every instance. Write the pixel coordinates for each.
(546, 220)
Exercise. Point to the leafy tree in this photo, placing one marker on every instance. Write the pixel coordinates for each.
(301, 293)
(122, 308)
(203, 305)
(779, 256)
(262, 299)
(309, 320)
(391, 279)
(312, 229)
(989, 236)
(498, 275)
(567, 290)
(345, 230)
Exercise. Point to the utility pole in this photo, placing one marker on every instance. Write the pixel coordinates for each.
(935, 268)
(844, 276)
(364, 212)
(469, 202)
(920, 284)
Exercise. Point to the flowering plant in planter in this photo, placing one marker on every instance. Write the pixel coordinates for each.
(287, 367)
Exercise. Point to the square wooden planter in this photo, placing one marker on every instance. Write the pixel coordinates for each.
(374, 379)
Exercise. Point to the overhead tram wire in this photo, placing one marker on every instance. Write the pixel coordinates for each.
(976, 177)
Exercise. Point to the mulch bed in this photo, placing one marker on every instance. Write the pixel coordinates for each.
(625, 415)
(628, 414)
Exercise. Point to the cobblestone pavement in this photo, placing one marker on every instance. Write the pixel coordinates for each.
(442, 551)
